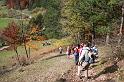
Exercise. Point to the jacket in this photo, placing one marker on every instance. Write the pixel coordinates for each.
(86, 55)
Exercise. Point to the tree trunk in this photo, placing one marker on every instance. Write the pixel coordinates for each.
(24, 38)
(17, 4)
(92, 40)
(107, 39)
(93, 32)
(30, 3)
(119, 40)
(78, 38)
(120, 33)
(26, 49)
(29, 52)
(15, 48)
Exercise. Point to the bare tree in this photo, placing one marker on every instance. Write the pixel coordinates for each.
(107, 39)
(15, 49)
(17, 4)
(30, 3)
(24, 36)
(121, 27)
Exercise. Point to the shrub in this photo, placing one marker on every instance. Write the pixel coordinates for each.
(11, 33)
(63, 42)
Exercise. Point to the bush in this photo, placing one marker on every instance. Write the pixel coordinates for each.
(63, 42)
(11, 32)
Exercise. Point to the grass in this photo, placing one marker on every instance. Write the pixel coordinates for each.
(5, 56)
(4, 23)
(4, 10)
(4, 20)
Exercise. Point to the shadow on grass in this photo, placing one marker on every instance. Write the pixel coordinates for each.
(111, 69)
(59, 55)
(103, 62)
(94, 66)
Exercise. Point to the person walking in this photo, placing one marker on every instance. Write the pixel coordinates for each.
(85, 60)
(60, 50)
(95, 50)
(68, 52)
(76, 54)
(81, 48)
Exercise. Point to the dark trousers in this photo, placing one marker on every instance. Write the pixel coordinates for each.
(76, 55)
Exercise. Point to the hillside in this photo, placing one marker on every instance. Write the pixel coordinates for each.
(54, 67)
(33, 33)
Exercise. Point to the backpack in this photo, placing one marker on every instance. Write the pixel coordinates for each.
(83, 58)
(76, 50)
(88, 59)
(92, 59)
(95, 50)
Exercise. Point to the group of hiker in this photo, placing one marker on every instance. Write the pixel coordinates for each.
(84, 54)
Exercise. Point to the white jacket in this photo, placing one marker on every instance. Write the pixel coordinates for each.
(83, 52)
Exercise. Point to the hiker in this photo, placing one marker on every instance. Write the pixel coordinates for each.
(72, 48)
(85, 60)
(60, 50)
(76, 54)
(81, 48)
(68, 52)
(89, 44)
(95, 51)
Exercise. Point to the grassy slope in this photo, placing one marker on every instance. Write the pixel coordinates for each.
(5, 20)
(5, 56)
(3, 23)
(3, 11)
(47, 70)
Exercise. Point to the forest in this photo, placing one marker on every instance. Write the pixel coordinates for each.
(31, 32)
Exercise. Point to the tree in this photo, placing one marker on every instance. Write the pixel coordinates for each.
(121, 26)
(30, 3)
(72, 21)
(36, 25)
(17, 4)
(10, 34)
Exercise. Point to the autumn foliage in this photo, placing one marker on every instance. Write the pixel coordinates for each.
(11, 32)
(13, 3)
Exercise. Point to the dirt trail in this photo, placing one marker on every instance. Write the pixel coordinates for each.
(53, 67)
(101, 71)
(46, 69)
